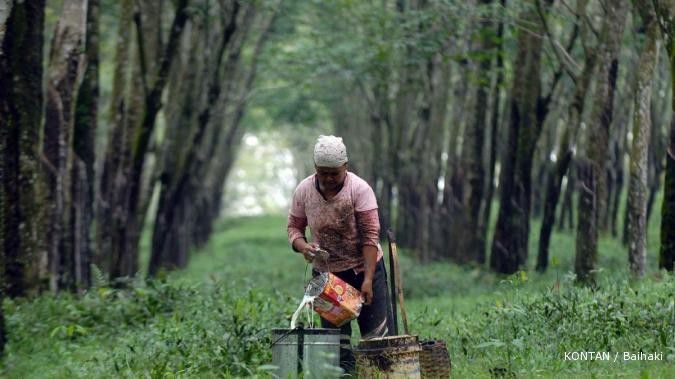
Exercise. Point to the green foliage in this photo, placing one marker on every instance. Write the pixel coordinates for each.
(529, 333)
(214, 319)
(156, 330)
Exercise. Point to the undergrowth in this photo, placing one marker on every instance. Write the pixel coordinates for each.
(214, 319)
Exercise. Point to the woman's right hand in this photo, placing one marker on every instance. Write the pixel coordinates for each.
(308, 250)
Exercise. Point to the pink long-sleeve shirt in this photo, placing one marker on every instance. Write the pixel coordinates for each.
(341, 225)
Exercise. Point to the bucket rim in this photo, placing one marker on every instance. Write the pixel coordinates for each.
(312, 331)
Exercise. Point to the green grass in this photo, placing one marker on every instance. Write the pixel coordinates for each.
(214, 318)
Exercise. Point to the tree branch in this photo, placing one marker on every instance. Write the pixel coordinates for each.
(141, 47)
(566, 61)
(172, 44)
(153, 103)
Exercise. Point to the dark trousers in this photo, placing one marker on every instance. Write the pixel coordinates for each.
(375, 320)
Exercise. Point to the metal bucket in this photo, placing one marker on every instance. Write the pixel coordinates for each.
(313, 352)
(389, 357)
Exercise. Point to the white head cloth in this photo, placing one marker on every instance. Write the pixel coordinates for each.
(329, 151)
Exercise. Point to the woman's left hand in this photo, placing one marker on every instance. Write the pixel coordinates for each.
(367, 291)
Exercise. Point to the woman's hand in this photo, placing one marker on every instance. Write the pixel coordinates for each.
(367, 291)
(308, 250)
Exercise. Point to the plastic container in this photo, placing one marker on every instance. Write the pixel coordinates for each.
(336, 300)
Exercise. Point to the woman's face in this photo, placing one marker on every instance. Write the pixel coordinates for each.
(331, 178)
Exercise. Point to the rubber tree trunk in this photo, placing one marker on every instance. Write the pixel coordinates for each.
(567, 206)
(84, 144)
(169, 251)
(3, 333)
(223, 153)
(418, 124)
(562, 165)
(5, 6)
(181, 114)
(114, 177)
(123, 172)
(226, 96)
(637, 186)
(349, 114)
(421, 169)
(667, 252)
(619, 148)
(658, 143)
(403, 117)
(615, 171)
(592, 191)
(554, 181)
(148, 17)
(452, 215)
(617, 175)
(666, 17)
(495, 119)
(510, 242)
(21, 100)
(433, 117)
(474, 235)
(66, 64)
(227, 147)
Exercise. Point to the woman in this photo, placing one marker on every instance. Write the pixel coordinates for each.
(341, 211)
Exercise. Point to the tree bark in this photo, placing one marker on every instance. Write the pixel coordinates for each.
(567, 206)
(615, 173)
(452, 213)
(637, 186)
(402, 124)
(84, 143)
(564, 161)
(666, 17)
(620, 148)
(592, 170)
(433, 117)
(3, 333)
(667, 252)
(474, 234)
(21, 100)
(200, 176)
(658, 144)
(124, 172)
(134, 204)
(66, 65)
(169, 251)
(619, 145)
(417, 137)
(510, 242)
(555, 177)
(495, 120)
(114, 177)
(350, 114)
(5, 7)
(148, 17)
(182, 106)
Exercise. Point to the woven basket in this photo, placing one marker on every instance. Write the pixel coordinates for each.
(434, 359)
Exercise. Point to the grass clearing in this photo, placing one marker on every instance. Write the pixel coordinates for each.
(214, 318)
